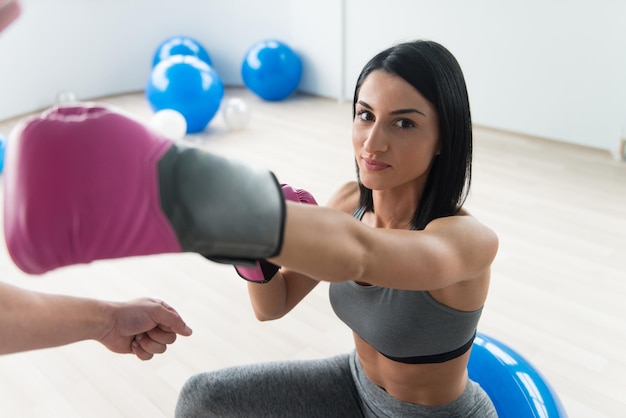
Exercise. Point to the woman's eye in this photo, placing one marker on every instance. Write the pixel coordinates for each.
(405, 124)
(364, 115)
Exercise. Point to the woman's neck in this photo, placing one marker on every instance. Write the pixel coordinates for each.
(393, 209)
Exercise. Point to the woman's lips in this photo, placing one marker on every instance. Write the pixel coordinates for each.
(374, 165)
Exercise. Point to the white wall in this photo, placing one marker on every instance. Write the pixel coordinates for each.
(316, 32)
(97, 48)
(555, 69)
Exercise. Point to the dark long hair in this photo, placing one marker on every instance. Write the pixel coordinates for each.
(434, 72)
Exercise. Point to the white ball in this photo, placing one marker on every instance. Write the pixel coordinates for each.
(66, 97)
(236, 113)
(169, 123)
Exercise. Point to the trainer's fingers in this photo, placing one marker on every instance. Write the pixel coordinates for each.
(138, 350)
(147, 344)
(169, 319)
(161, 336)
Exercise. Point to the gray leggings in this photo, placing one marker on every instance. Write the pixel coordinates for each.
(333, 387)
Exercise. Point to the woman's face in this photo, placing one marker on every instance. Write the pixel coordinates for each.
(395, 133)
(9, 11)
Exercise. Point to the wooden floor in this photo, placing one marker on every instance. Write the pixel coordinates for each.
(558, 292)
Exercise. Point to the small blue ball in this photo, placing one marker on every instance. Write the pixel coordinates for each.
(271, 70)
(3, 145)
(180, 45)
(188, 85)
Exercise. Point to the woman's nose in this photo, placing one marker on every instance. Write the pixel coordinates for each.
(376, 140)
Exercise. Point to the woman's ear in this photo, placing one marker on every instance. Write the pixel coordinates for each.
(438, 150)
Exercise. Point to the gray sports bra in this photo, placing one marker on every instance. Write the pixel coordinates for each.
(408, 326)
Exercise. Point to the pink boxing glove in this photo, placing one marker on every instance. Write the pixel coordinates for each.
(87, 182)
(297, 195)
(9, 11)
(77, 188)
(263, 270)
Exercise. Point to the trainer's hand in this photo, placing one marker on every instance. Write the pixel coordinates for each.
(143, 327)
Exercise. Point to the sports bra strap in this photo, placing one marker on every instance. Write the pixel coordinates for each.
(359, 212)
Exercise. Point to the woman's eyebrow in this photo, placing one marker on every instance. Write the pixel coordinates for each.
(395, 112)
(362, 103)
(409, 110)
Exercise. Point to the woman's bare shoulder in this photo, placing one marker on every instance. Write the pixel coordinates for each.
(346, 198)
(466, 228)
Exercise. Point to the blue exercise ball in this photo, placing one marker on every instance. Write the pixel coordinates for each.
(3, 146)
(188, 85)
(180, 45)
(515, 387)
(271, 70)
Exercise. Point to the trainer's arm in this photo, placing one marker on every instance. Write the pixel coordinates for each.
(31, 320)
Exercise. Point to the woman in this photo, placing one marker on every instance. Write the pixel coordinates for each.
(409, 275)
(409, 267)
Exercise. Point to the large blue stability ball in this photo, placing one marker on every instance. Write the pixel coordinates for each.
(271, 70)
(188, 85)
(515, 387)
(180, 45)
